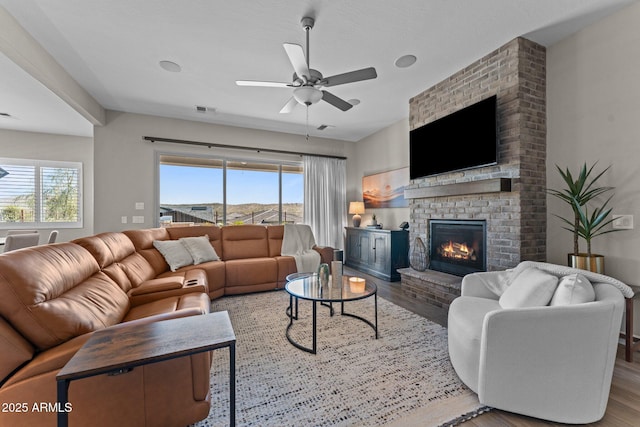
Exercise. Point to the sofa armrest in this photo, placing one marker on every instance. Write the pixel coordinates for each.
(326, 253)
(486, 284)
(157, 285)
(554, 363)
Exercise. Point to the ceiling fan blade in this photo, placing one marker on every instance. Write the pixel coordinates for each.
(335, 101)
(261, 84)
(297, 58)
(350, 77)
(289, 106)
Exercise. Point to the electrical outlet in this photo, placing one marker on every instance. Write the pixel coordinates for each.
(123, 219)
(137, 219)
(624, 222)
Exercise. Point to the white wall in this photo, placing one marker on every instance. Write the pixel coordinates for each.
(383, 151)
(593, 114)
(125, 165)
(42, 146)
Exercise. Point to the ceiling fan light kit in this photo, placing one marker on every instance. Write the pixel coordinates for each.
(307, 95)
(307, 81)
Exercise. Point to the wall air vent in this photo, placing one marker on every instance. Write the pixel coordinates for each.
(202, 109)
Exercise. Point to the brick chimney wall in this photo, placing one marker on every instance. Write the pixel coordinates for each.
(516, 220)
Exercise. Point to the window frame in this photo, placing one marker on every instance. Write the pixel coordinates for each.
(38, 166)
(281, 163)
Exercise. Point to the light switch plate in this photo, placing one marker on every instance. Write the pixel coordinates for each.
(139, 206)
(123, 219)
(624, 222)
(137, 219)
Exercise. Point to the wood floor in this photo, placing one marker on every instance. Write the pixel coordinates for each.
(623, 409)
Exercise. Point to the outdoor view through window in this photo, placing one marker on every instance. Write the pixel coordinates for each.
(192, 190)
(39, 193)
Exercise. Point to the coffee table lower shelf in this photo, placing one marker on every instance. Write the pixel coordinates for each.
(122, 348)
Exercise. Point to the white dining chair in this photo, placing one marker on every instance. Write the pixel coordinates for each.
(19, 241)
(53, 236)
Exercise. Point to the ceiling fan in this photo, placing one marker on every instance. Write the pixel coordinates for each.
(307, 82)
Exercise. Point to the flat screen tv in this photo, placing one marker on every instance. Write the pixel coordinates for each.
(464, 139)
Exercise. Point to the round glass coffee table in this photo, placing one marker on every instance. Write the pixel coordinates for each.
(307, 287)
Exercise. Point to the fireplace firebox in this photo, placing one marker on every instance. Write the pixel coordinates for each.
(457, 246)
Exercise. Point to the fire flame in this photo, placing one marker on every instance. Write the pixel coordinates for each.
(456, 250)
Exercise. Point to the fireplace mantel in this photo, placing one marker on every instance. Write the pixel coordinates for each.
(494, 185)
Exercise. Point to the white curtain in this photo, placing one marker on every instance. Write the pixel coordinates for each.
(325, 199)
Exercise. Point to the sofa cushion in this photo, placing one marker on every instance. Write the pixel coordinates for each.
(573, 289)
(98, 248)
(252, 271)
(15, 350)
(62, 296)
(531, 288)
(200, 249)
(276, 234)
(244, 241)
(174, 252)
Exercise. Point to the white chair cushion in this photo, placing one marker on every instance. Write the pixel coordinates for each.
(174, 253)
(573, 289)
(200, 249)
(531, 288)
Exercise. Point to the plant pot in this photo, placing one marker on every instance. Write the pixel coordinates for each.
(593, 263)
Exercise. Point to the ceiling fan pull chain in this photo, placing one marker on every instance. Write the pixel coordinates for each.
(307, 123)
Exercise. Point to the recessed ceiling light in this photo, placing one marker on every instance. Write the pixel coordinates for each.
(354, 101)
(170, 66)
(405, 61)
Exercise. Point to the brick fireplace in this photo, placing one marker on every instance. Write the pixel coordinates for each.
(509, 197)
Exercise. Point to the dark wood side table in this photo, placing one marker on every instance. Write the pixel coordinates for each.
(630, 343)
(124, 347)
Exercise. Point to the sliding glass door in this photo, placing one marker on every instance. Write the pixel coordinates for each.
(220, 191)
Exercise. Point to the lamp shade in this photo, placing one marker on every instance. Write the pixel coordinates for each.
(356, 208)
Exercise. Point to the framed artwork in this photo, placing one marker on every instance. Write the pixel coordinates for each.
(386, 189)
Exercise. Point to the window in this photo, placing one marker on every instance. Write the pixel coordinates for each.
(40, 193)
(218, 191)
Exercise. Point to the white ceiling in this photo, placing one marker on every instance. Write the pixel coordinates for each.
(112, 49)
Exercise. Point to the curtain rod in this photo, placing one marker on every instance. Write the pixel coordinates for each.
(236, 147)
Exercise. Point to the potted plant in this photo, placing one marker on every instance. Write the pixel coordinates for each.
(578, 193)
(374, 220)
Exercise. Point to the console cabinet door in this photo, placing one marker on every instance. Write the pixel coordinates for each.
(377, 252)
(380, 247)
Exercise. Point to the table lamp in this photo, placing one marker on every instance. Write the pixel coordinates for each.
(356, 208)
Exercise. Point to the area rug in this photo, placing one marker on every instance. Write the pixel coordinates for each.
(402, 378)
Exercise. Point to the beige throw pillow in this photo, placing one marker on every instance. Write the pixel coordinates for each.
(174, 253)
(200, 249)
(531, 288)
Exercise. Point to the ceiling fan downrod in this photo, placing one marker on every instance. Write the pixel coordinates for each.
(307, 24)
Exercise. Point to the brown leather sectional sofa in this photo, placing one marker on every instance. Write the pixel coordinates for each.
(53, 297)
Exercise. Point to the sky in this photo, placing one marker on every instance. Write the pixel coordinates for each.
(194, 185)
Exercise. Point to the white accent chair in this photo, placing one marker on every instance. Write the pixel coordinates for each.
(19, 241)
(548, 362)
